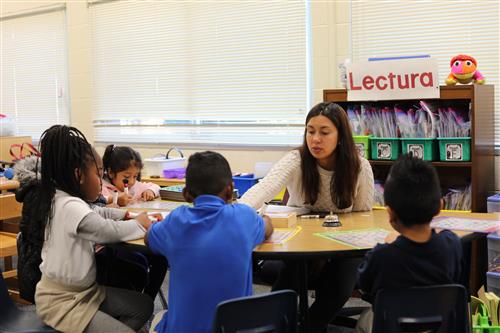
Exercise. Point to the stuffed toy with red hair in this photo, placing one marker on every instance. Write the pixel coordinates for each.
(463, 70)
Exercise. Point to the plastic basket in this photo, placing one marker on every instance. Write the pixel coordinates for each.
(385, 148)
(244, 182)
(362, 143)
(423, 148)
(493, 203)
(454, 149)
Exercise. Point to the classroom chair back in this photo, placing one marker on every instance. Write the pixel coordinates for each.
(13, 320)
(269, 312)
(440, 309)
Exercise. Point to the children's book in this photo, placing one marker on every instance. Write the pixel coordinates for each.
(360, 239)
(465, 224)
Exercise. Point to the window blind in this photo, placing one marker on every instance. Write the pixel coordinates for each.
(200, 73)
(440, 29)
(34, 71)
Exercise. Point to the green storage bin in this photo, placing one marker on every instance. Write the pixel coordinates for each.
(454, 149)
(362, 143)
(385, 148)
(424, 148)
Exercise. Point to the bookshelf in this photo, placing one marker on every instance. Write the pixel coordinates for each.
(479, 172)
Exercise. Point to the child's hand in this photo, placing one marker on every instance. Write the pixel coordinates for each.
(144, 220)
(124, 199)
(156, 216)
(148, 195)
(391, 237)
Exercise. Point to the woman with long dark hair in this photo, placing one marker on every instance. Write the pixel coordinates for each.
(325, 174)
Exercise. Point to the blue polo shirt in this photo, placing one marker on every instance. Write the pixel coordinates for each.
(209, 250)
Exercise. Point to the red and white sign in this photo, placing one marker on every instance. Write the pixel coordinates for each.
(393, 79)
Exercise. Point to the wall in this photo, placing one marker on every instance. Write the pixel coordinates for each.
(330, 46)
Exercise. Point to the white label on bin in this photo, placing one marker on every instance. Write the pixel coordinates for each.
(417, 150)
(360, 147)
(454, 152)
(384, 150)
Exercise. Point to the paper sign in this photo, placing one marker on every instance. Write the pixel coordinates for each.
(393, 79)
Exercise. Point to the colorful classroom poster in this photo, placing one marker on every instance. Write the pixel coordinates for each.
(360, 239)
(465, 224)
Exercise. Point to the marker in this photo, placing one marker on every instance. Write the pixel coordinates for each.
(115, 197)
(125, 186)
(309, 216)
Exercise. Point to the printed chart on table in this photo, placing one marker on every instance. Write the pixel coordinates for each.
(465, 224)
(361, 239)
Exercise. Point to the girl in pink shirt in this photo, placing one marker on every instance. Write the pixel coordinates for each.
(122, 173)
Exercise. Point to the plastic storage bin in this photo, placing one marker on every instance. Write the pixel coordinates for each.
(244, 182)
(423, 148)
(454, 149)
(493, 250)
(155, 166)
(493, 203)
(385, 148)
(175, 173)
(362, 143)
(493, 282)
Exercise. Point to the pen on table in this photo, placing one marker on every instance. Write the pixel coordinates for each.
(125, 186)
(115, 197)
(316, 216)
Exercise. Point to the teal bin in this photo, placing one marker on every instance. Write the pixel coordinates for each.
(454, 149)
(385, 148)
(362, 144)
(423, 148)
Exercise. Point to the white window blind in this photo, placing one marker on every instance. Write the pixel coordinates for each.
(195, 72)
(34, 70)
(441, 29)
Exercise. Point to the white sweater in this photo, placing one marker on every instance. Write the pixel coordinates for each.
(286, 172)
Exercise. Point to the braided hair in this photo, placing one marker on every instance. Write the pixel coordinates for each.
(64, 149)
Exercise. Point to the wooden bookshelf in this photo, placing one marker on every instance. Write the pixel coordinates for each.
(479, 172)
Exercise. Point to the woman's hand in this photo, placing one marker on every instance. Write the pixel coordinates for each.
(148, 195)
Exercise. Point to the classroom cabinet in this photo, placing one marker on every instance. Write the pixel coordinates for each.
(479, 171)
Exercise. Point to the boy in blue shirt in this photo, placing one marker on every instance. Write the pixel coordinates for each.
(208, 246)
(419, 256)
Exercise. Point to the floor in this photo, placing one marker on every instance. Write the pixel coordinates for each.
(257, 290)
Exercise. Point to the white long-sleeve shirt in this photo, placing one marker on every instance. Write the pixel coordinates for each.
(286, 173)
(68, 251)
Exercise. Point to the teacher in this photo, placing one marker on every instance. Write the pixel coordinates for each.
(325, 174)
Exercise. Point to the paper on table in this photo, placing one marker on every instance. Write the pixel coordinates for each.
(277, 209)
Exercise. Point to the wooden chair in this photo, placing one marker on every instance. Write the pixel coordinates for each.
(8, 248)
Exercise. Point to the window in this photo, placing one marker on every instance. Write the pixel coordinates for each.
(34, 70)
(214, 73)
(440, 29)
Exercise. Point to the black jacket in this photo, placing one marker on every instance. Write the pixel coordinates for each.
(32, 227)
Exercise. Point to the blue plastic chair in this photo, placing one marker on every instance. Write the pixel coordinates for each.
(269, 312)
(439, 308)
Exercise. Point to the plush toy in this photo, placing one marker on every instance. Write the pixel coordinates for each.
(463, 70)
